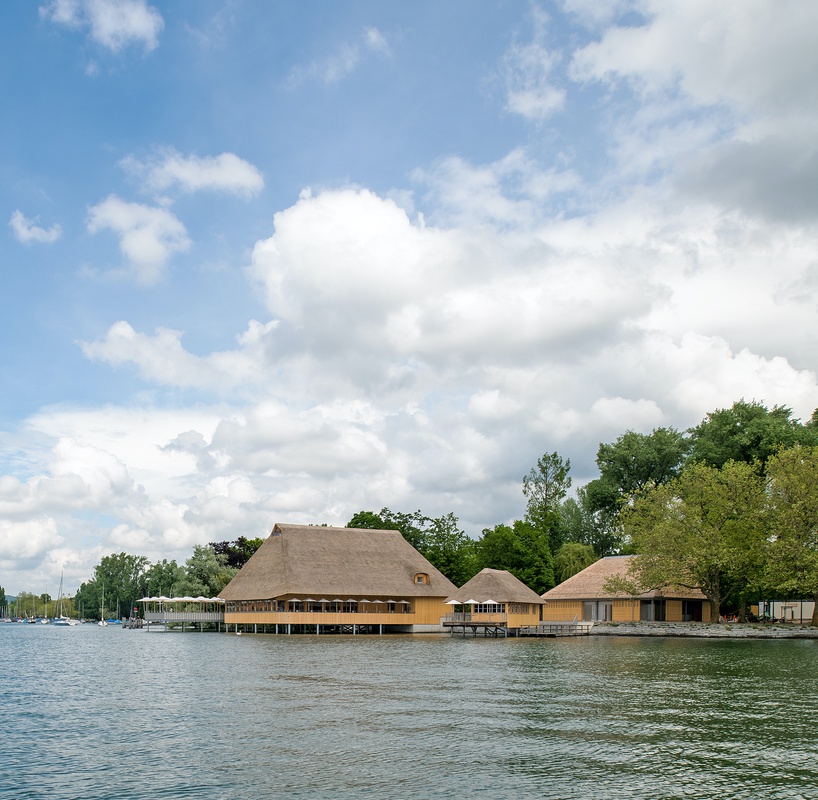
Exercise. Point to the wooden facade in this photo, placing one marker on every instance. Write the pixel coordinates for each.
(347, 580)
(493, 600)
(583, 597)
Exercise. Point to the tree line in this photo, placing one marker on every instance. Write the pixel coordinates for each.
(728, 506)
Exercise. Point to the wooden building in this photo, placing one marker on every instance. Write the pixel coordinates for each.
(583, 597)
(493, 600)
(307, 578)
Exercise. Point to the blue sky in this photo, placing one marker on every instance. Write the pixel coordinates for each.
(284, 262)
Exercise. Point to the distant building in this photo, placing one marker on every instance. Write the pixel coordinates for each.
(583, 597)
(494, 597)
(320, 579)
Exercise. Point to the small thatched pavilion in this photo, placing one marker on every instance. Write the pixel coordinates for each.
(583, 597)
(321, 579)
(495, 596)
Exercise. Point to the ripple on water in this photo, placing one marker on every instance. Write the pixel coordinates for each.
(104, 713)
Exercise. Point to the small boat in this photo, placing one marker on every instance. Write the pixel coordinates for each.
(102, 623)
(61, 620)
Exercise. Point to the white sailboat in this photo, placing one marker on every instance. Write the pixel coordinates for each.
(102, 623)
(61, 619)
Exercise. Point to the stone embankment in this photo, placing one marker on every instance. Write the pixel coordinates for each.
(705, 630)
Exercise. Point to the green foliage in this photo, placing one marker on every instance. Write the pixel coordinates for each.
(572, 558)
(439, 540)
(598, 528)
(206, 573)
(793, 522)
(2, 597)
(635, 461)
(521, 549)
(704, 529)
(162, 578)
(237, 553)
(369, 520)
(545, 488)
(748, 432)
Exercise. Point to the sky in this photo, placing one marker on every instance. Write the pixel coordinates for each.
(285, 262)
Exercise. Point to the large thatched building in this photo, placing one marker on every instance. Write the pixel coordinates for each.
(584, 597)
(494, 596)
(322, 579)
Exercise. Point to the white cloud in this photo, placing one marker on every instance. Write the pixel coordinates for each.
(169, 169)
(28, 231)
(528, 74)
(114, 24)
(148, 236)
(342, 62)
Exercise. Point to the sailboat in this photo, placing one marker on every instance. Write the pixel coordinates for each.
(102, 623)
(61, 619)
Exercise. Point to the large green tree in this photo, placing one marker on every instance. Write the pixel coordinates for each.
(635, 461)
(521, 549)
(748, 432)
(704, 529)
(793, 518)
(122, 576)
(545, 487)
(571, 558)
(162, 578)
(237, 552)
(206, 573)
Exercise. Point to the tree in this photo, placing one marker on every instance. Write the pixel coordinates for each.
(206, 573)
(122, 575)
(449, 549)
(701, 530)
(632, 463)
(748, 432)
(437, 539)
(572, 558)
(545, 488)
(237, 553)
(793, 497)
(521, 549)
(599, 528)
(162, 578)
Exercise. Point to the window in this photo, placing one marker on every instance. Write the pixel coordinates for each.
(489, 608)
(421, 577)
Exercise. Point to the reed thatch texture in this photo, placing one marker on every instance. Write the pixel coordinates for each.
(324, 562)
(590, 584)
(498, 585)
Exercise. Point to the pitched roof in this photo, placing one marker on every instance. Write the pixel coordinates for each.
(590, 583)
(498, 585)
(324, 562)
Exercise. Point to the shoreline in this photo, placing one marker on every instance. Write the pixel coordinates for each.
(705, 630)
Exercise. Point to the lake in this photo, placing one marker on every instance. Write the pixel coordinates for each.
(91, 712)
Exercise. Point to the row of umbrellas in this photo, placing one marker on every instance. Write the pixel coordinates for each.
(338, 600)
(163, 599)
(472, 603)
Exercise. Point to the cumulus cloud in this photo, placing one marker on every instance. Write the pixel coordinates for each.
(169, 169)
(114, 24)
(28, 231)
(148, 236)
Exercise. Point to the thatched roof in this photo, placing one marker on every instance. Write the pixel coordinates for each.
(498, 585)
(589, 584)
(322, 562)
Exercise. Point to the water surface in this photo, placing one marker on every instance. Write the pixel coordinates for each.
(94, 713)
